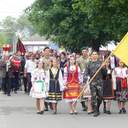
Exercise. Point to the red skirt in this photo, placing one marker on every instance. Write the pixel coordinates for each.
(124, 84)
(72, 91)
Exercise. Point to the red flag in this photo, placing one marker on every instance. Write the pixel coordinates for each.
(20, 47)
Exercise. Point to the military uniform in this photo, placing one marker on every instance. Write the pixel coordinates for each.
(47, 62)
(96, 86)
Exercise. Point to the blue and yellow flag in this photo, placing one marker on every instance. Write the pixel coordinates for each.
(121, 50)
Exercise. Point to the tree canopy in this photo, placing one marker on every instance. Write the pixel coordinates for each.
(78, 23)
(3, 39)
(10, 26)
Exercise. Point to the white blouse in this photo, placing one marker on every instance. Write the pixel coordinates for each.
(60, 78)
(72, 68)
(30, 66)
(121, 72)
(36, 91)
(38, 74)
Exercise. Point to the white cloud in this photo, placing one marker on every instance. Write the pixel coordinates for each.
(13, 8)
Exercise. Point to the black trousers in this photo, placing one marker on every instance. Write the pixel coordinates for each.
(3, 87)
(25, 84)
(16, 81)
(29, 83)
(7, 82)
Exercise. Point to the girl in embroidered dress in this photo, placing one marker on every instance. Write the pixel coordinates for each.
(121, 74)
(72, 80)
(55, 84)
(38, 89)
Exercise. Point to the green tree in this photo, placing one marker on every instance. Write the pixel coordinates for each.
(2, 39)
(107, 18)
(24, 23)
(9, 24)
(12, 25)
(77, 23)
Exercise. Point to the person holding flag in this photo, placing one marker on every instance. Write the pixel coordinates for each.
(96, 85)
(15, 61)
(93, 71)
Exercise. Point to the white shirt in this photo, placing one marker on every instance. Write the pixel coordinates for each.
(30, 66)
(121, 72)
(112, 62)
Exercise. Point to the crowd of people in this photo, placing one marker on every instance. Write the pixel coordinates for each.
(50, 77)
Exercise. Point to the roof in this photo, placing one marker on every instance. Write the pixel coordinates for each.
(45, 42)
(36, 37)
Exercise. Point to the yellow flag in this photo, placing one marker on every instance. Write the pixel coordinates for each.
(121, 50)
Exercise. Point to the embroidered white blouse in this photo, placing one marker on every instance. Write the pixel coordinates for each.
(121, 72)
(72, 68)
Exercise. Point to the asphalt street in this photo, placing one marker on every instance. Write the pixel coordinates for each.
(18, 111)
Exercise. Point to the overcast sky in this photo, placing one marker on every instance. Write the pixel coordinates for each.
(13, 8)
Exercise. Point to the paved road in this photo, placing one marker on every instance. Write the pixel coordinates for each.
(18, 111)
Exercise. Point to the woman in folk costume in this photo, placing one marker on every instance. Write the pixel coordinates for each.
(63, 61)
(38, 89)
(121, 74)
(72, 79)
(55, 84)
(108, 91)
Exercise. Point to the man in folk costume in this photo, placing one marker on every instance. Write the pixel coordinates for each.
(97, 84)
(82, 62)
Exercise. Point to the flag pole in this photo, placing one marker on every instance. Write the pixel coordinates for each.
(94, 76)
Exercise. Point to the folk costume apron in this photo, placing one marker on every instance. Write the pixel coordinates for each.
(37, 90)
(73, 86)
(54, 93)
